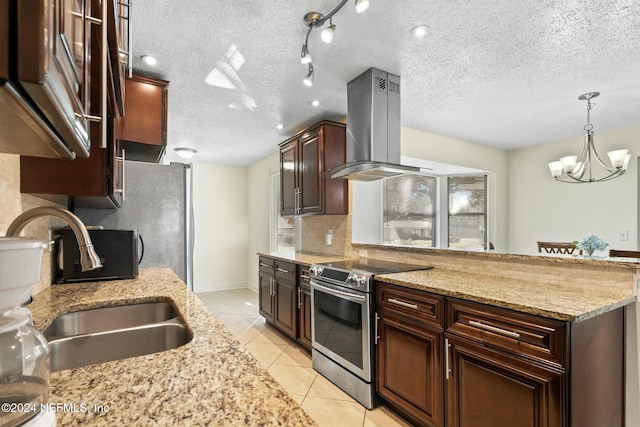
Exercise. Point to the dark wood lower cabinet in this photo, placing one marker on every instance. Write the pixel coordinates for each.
(265, 295)
(488, 388)
(410, 370)
(286, 307)
(304, 314)
(497, 367)
(278, 294)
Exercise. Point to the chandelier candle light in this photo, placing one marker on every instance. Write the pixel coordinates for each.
(577, 169)
(314, 20)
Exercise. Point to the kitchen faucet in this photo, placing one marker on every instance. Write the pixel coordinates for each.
(89, 260)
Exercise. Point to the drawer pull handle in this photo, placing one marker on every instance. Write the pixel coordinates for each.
(262, 264)
(282, 270)
(402, 303)
(489, 328)
(304, 276)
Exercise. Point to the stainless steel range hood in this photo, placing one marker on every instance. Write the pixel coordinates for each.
(373, 128)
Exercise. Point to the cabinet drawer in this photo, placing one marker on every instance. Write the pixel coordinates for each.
(411, 304)
(303, 275)
(286, 270)
(266, 264)
(518, 333)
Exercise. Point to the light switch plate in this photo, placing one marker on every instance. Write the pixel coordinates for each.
(623, 235)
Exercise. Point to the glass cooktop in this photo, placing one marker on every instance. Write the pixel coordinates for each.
(374, 266)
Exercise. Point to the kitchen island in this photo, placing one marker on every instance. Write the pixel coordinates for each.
(211, 380)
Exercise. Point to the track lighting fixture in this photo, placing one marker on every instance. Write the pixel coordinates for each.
(308, 80)
(314, 20)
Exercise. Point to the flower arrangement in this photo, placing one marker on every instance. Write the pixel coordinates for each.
(590, 244)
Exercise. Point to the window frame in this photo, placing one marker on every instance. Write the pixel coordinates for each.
(484, 213)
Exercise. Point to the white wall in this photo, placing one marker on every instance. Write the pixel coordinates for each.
(540, 208)
(221, 227)
(257, 194)
(438, 148)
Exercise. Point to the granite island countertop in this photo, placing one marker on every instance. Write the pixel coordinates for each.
(549, 300)
(212, 380)
(306, 258)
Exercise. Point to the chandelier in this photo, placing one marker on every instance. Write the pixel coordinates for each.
(578, 169)
(314, 20)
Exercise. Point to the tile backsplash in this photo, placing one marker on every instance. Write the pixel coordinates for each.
(12, 204)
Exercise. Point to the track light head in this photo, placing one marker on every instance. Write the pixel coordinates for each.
(327, 34)
(308, 80)
(362, 5)
(305, 56)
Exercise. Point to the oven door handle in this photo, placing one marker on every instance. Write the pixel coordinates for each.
(346, 295)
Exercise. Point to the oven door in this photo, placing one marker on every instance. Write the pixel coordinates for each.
(341, 327)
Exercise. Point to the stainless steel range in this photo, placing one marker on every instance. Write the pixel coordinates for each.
(342, 307)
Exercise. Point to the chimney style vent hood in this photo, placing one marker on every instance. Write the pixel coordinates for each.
(373, 128)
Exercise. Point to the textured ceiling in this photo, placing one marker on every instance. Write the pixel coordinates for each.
(501, 73)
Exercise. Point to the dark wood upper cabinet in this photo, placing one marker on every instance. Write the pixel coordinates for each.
(306, 160)
(143, 129)
(289, 177)
(96, 181)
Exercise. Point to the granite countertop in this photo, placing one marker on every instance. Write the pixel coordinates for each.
(212, 380)
(306, 258)
(547, 300)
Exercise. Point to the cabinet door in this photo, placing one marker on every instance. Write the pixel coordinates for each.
(488, 388)
(265, 295)
(286, 307)
(410, 370)
(304, 317)
(288, 178)
(311, 184)
(143, 129)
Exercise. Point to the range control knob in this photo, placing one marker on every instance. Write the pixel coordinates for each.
(360, 281)
(315, 271)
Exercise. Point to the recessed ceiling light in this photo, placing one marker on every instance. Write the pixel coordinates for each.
(315, 102)
(185, 153)
(279, 126)
(149, 60)
(420, 31)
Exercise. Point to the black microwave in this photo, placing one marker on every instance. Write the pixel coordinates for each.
(117, 249)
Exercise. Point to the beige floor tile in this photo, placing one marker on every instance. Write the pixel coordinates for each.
(384, 417)
(272, 336)
(332, 413)
(230, 319)
(294, 356)
(294, 379)
(248, 335)
(265, 353)
(324, 388)
(240, 328)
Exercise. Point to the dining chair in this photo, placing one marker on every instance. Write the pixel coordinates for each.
(624, 253)
(556, 247)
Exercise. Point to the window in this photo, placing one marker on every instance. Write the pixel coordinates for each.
(281, 228)
(467, 212)
(409, 210)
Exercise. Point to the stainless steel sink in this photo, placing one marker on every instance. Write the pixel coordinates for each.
(109, 318)
(105, 334)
